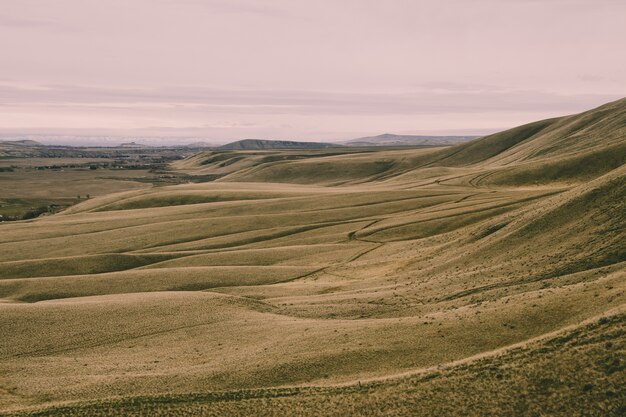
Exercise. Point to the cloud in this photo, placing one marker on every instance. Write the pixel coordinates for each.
(21, 23)
(233, 7)
(430, 98)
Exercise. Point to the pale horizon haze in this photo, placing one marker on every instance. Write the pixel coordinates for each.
(303, 70)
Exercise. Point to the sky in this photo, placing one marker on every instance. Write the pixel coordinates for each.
(220, 70)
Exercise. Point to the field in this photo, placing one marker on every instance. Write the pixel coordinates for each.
(486, 278)
(45, 180)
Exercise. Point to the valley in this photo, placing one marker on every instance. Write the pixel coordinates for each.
(480, 278)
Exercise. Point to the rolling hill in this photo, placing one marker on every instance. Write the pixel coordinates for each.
(566, 150)
(485, 278)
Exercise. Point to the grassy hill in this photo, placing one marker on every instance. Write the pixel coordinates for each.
(566, 150)
(487, 278)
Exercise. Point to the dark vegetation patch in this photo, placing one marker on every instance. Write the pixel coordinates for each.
(490, 230)
(12, 209)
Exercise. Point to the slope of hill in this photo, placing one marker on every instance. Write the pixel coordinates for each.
(389, 139)
(565, 150)
(565, 136)
(539, 377)
(257, 144)
(224, 162)
(487, 278)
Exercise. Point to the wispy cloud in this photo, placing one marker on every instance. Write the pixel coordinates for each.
(234, 7)
(431, 98)
(22, 23)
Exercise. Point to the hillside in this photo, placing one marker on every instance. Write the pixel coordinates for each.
(564, 150)
(257, 144)
(485, 278)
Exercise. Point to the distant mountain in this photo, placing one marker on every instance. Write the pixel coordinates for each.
(389, 139)
(23, 142)
(200, 145)
(254, 144)
(133, 145)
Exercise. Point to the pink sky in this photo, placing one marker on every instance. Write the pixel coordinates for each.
(310, 70)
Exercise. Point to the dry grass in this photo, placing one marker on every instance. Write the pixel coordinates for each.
(538, 378)
(277, 288)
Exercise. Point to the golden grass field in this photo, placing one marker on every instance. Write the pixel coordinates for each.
(487, 278)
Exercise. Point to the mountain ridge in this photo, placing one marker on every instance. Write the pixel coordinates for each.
(257, 144)
(390, 139)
